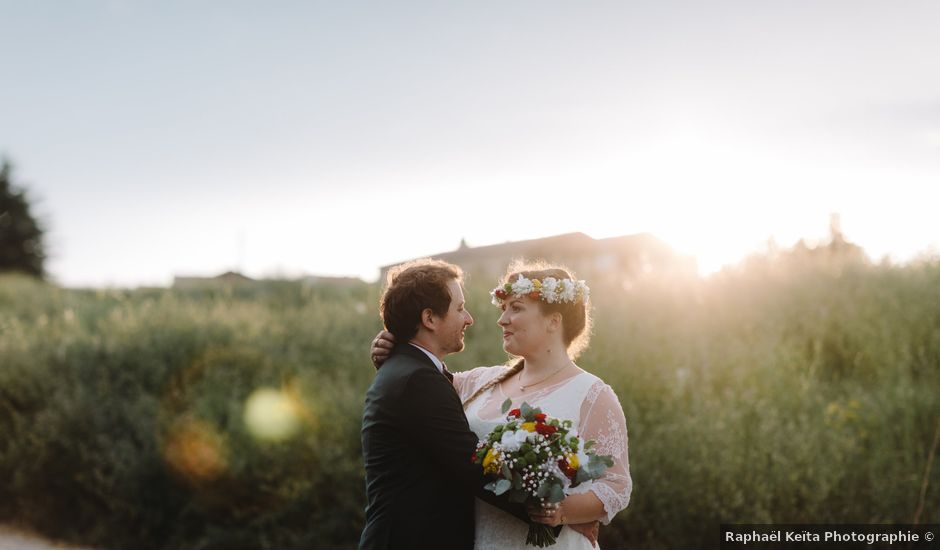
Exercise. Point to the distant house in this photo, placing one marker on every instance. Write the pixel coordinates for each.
(614, 259)
(232, 279)
(227, 279)
(322, 280)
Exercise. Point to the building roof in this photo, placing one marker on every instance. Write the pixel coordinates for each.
(566, 243)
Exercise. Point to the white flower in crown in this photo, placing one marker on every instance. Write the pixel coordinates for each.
(549, 287)
(551, 290)
(523, 286)
(568, 291)
(584, 291)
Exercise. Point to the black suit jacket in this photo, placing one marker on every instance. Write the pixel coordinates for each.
(417, 444)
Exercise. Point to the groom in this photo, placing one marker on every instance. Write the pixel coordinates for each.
(416, 441)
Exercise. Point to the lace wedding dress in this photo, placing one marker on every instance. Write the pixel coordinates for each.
(594, 409)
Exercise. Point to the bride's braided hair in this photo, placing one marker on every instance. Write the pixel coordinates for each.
(576, 317)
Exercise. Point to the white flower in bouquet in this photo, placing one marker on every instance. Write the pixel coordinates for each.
(583, 457)
(512, 441)
(554, 470)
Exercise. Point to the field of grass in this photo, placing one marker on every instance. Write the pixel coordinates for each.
(781, 391)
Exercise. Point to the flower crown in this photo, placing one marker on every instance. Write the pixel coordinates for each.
(550, 290)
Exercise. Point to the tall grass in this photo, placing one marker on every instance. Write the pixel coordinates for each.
(776, 392)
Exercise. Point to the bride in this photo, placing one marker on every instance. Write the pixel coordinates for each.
(546, 324)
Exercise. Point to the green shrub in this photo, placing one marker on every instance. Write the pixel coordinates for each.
(757, 395)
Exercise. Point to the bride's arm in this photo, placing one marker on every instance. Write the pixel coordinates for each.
(603, 421)
(581, 508)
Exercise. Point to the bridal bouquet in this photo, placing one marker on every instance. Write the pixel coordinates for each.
(534, 459)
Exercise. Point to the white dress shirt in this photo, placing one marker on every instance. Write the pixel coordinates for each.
(437, 362)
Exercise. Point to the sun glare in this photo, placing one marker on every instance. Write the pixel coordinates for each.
(687, 188)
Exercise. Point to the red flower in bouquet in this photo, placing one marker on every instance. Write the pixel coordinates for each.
(545, 429)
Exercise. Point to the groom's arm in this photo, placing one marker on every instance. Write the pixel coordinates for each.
(436, 422)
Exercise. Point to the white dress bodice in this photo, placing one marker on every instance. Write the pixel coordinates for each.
(495, 529)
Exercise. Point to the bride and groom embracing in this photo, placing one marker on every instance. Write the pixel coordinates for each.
(422, 423)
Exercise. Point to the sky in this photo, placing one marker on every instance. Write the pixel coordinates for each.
(162, 138)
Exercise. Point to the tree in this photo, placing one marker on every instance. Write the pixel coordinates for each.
(21, 235)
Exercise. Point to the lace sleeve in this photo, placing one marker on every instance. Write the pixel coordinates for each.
(602, 420)
(467, 382)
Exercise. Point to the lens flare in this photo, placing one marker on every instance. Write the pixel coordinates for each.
(196, 451)
(271, 415)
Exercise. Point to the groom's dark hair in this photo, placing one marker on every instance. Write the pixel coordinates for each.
(413, 287)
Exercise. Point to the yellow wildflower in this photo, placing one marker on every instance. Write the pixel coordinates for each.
(528, 426)
(490, 465)
(573, 461)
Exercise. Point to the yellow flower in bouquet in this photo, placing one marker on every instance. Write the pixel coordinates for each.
(573, 460)
(490, 464)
